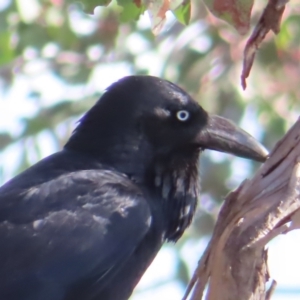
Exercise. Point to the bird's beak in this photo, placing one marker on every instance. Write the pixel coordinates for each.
(222, 135)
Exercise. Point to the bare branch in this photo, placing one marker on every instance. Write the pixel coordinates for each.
(234, 265)
(271, 290)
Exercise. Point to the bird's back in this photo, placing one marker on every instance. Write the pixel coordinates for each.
(71, 229)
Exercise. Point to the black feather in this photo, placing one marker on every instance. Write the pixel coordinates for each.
(86, 222)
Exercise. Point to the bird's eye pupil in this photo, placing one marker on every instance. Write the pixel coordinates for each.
(182, 115)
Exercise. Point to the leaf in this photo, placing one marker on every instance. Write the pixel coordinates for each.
(131, 12)
(157, 9)
(269, 20)
(132, 9)
(183, 12)
(235, 12)
(157, 12)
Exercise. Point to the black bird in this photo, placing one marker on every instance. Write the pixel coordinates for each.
(86, 222)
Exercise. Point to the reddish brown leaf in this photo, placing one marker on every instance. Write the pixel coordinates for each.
(138, 3)
(157, 11)
(235, 12)
(270, 20)
(163, 9)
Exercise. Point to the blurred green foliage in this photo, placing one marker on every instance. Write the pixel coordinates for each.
(57, 39)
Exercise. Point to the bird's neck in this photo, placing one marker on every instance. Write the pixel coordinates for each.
(174, 177)
(128, 153)
(177, 180)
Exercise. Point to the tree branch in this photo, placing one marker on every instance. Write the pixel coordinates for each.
(234, 265)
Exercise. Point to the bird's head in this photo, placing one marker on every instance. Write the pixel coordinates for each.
(153, 131)
(139, 109)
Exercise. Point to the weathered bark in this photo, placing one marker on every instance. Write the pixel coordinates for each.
(234, 265)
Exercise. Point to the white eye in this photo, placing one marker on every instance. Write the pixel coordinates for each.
(182, 115)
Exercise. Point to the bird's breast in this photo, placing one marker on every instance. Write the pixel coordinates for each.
(178, 186)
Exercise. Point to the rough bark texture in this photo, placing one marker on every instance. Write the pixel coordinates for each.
(234, 265)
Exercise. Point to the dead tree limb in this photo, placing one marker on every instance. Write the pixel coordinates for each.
(234, 265)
